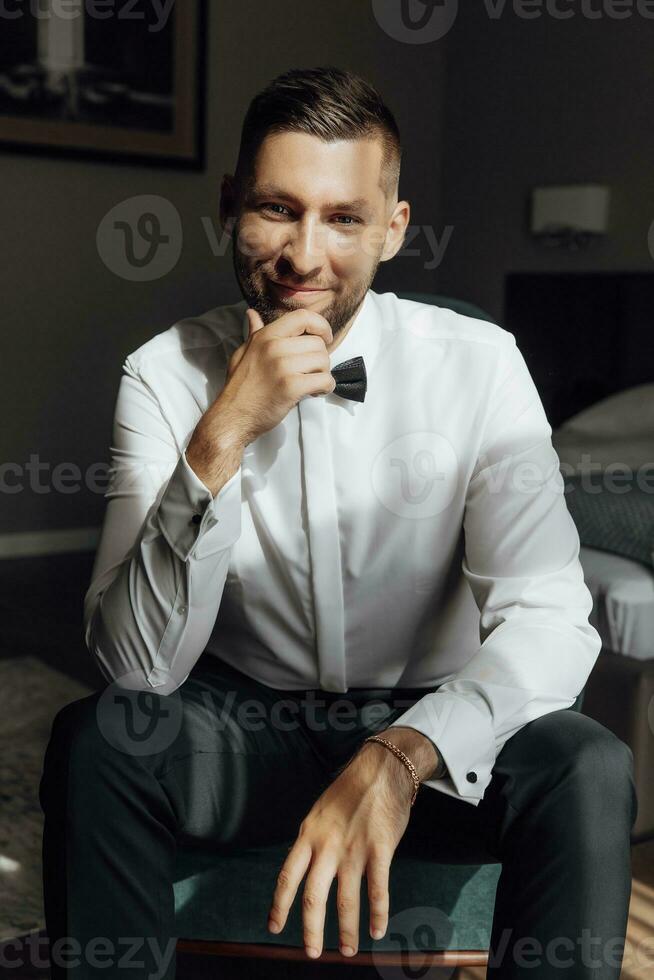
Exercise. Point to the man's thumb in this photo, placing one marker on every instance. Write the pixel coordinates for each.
(254, 320)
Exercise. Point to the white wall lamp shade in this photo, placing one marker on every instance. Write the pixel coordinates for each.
(574, 211)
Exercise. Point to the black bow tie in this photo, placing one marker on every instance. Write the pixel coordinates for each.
(351, 380)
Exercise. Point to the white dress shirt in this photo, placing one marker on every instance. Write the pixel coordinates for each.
(418, 538)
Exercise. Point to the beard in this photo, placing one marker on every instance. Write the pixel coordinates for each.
(257, 292)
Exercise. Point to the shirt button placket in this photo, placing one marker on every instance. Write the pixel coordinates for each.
(324, 541)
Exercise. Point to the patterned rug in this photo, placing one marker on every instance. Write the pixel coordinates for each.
(30, 696)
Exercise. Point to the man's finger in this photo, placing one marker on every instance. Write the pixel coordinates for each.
(377, 874)
(297, 322)
(288, 880)
(254, 321)
(347, 903)
(314, 904)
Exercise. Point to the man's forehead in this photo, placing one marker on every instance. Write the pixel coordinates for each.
(337, 172)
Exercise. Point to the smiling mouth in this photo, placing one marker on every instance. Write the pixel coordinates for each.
(295, 290)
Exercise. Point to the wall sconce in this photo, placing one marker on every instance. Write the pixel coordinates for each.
(569, 216)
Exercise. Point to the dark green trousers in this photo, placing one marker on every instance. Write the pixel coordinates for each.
(225, 759)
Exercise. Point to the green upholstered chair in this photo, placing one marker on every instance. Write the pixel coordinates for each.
(440, 913)
(449, 303)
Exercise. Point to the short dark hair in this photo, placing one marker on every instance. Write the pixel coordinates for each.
(327, 102)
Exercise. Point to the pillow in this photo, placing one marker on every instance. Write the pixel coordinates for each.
(579, 452)
(629, 412)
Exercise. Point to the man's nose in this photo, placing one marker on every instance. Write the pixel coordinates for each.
(305, 248)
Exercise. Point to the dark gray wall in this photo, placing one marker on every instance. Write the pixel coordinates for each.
(543, 101)
(69, 322)
(494, 108)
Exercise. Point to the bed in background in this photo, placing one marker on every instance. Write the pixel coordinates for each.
(606, 454)
(588, 340)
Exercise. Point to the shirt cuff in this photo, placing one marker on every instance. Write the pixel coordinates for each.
(194, 522)
(460, 729)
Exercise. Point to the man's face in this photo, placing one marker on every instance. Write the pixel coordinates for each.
(315, 218)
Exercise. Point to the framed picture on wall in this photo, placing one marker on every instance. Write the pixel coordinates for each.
(119, 81)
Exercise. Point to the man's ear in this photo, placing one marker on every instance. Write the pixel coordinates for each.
(396, 233)
(228, 202)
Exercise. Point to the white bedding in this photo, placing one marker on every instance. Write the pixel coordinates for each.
(623, 602)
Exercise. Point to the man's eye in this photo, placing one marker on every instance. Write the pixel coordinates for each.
(346, 220)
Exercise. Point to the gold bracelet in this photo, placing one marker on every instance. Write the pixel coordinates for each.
(405, 759)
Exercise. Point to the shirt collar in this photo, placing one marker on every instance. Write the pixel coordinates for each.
(362, 339)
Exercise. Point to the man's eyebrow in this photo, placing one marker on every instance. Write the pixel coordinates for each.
(271, 190)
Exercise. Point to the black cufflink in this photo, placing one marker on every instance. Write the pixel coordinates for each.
(196, 519)
(471, 777)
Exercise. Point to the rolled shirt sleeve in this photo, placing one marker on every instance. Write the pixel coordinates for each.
(521, 561)
(162, 560)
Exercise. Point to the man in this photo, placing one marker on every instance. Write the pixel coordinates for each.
(281, 524)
